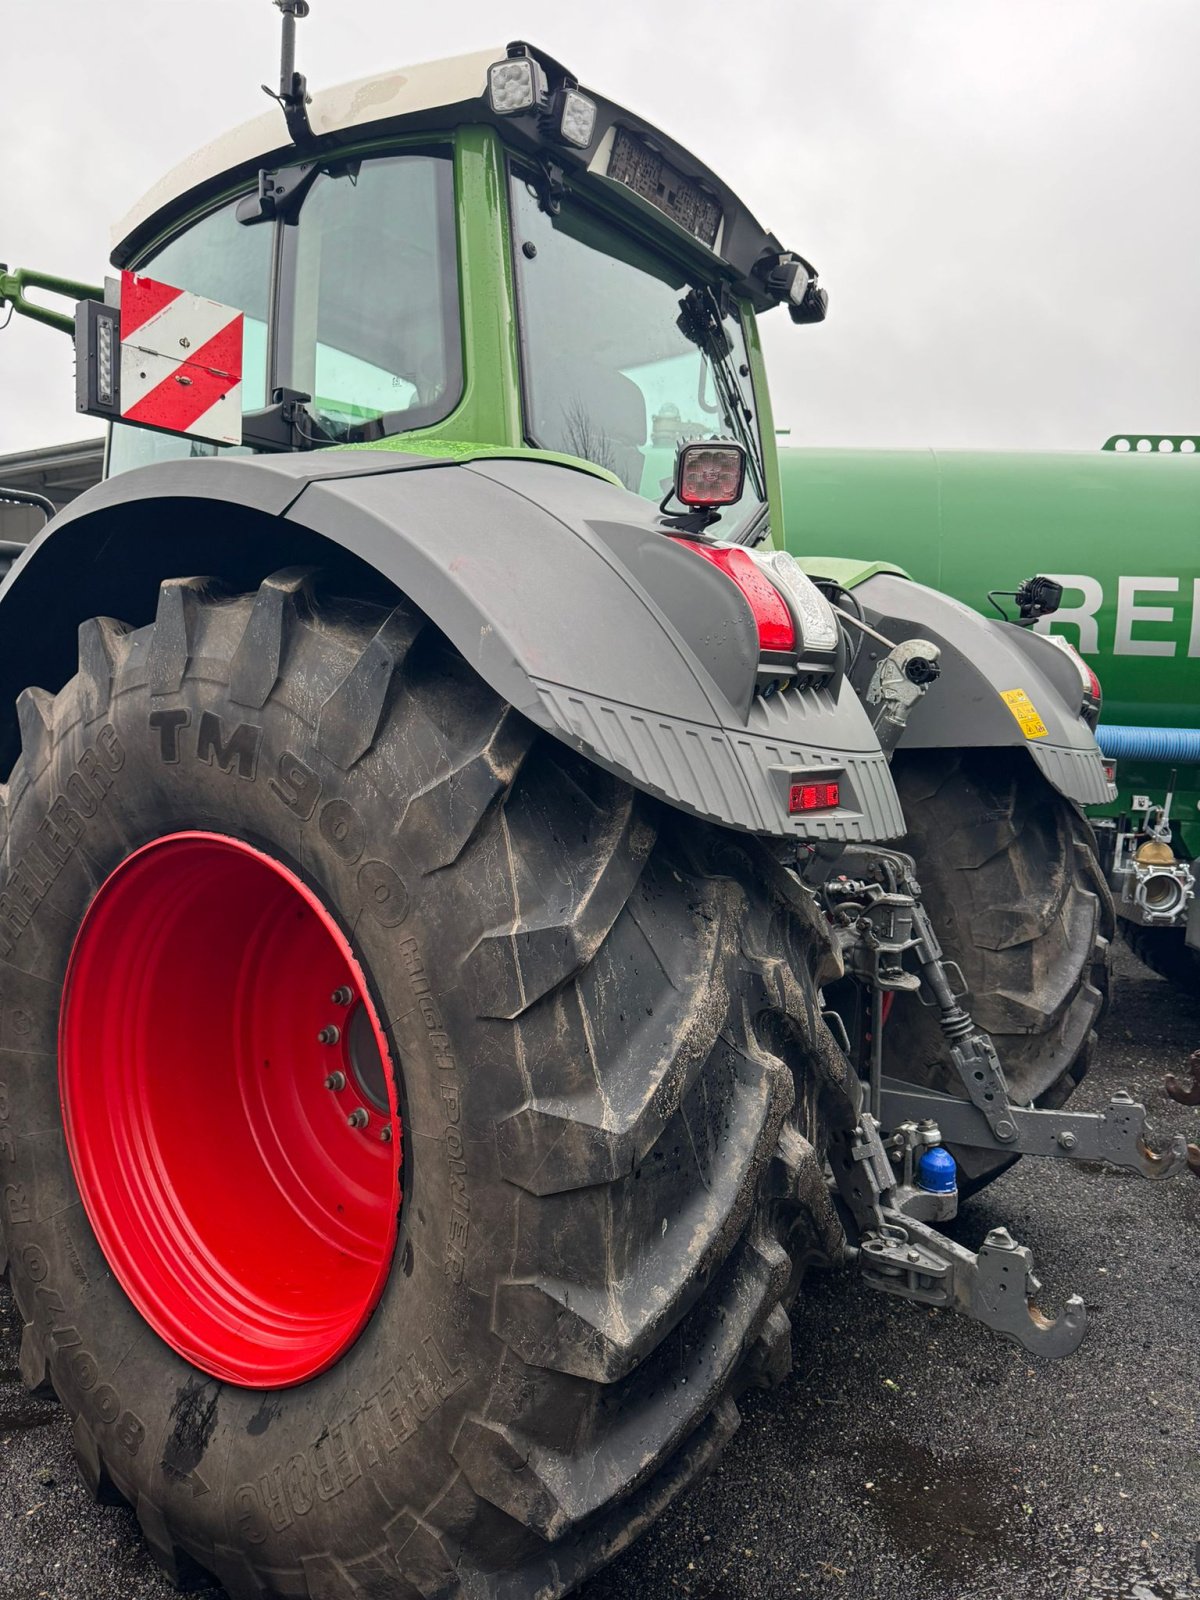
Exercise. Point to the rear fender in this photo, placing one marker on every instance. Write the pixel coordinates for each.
(555, 585)
(1000, 686)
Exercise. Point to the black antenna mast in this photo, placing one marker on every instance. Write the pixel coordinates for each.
(293, 94)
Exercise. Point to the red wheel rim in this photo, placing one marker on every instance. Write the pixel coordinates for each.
(230, 1109)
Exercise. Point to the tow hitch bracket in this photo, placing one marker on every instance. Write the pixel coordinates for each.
(900, 1254)
(1186, 1094)
(876, 913)
(907, 1258)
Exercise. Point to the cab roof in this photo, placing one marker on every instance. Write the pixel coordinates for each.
(438, 95)
(357, 107)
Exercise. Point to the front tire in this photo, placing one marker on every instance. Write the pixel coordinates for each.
(603, 1106)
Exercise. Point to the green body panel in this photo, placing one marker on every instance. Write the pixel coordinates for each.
(490, 408)
(970, 521)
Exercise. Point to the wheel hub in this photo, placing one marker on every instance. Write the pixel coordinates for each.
(230, 1109)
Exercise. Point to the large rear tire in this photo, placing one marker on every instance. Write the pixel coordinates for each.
(1165, 951)
(1010, 877)
(608, 1121)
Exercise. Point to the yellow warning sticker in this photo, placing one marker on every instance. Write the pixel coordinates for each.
(1023, 708)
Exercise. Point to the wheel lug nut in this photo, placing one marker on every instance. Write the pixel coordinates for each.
(359, 1117)
(342, 996)
(329, 1034)
(336, 1080)
(385, 1136)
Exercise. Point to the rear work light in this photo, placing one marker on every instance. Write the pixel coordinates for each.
(710, 474)
(515, 85)
(776, 630)
(573, 118)
(518, 85)
(812, 797)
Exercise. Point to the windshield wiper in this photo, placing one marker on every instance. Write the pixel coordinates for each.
(700, 322)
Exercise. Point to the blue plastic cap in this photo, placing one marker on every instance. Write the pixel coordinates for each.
(936, 1171)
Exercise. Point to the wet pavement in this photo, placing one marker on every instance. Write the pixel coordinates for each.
(911, 1456)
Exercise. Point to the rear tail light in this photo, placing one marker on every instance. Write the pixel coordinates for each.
(1093, 694)
(812, 797)
(818, 625)
(776, 630)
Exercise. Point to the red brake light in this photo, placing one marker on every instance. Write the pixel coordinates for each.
(776, 630)
(812, 797)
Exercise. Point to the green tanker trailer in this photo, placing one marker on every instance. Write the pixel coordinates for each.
(1119, 530)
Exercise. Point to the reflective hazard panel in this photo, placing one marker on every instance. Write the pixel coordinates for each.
(163, 359)
(1023, 708)
(181, 361)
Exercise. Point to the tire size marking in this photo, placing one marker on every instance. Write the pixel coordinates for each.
(458, 1222)
(82, 1366)
(58, 835)
(361, 1440)
(298, 788)
(237, 750)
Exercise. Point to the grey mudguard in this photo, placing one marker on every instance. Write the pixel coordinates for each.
(557, 586)
(982, 660)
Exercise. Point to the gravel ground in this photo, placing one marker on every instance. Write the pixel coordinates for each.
(911, 1454)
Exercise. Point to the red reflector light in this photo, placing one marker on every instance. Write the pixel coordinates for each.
(710, 474)
(812, 797)
(776, 630)
(1093, 683)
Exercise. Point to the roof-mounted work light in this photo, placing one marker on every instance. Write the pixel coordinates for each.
(516, 84)
(573, 118)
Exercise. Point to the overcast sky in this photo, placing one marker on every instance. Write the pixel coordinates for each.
(1000, 195)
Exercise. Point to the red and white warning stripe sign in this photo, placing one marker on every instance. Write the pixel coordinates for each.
(181, 361)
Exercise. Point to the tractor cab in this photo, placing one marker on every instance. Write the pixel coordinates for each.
(474, 252)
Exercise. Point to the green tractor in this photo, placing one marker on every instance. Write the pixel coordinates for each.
(1113, 538)
(453, 893)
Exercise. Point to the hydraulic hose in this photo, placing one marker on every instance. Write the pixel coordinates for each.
(1149, 744)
